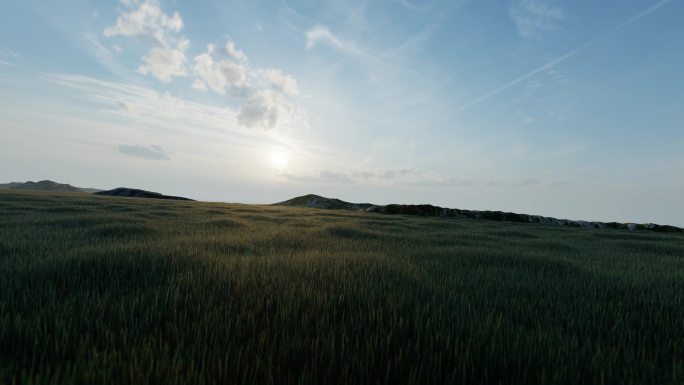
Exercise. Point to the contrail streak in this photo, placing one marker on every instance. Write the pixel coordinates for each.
(562, 58)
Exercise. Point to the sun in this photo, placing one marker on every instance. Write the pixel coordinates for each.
(280, 159)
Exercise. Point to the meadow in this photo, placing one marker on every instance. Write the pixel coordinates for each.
(105, 290)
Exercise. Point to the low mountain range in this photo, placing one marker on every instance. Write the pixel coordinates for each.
(46, 185)
(426, 210)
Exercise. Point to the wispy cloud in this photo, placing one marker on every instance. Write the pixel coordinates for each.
(533, 17)
(325, 177)
(151, 111)
(417, 6)
(152, 152)
(9, 53)
(551, 64)
(527, 182)
(406, 178)
(6, 55)
(322, 35)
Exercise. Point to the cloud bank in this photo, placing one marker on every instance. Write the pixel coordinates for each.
(263, 93)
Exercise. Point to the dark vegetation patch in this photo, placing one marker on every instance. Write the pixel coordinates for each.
(64, 209)
(630, 236)
(652, 248)
(118, 208)
(225, 223)
(164, 213)
(262, 218)
(73, 222)
(215, 212)
(518, 235)
(350, 232)
(119, 231)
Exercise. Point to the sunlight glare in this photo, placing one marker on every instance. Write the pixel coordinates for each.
(280, 159)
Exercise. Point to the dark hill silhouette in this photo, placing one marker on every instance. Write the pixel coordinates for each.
(425, 210)
(44, 185)
(319, 202)
(136, 193)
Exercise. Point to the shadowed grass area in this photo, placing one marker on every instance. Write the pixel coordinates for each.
(120, 290)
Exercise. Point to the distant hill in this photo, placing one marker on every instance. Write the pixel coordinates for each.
(425, 210)
(319, 202)
(136, 193)
(44, 185)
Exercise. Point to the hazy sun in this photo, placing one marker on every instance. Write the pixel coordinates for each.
(280, 159)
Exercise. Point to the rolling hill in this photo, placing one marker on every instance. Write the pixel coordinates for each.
(136, 193)
(319, 202)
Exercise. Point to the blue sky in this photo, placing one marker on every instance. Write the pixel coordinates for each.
(561, 108)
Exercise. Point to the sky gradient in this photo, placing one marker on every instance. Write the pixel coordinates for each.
(570, 109)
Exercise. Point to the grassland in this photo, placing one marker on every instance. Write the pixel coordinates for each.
(103, 290)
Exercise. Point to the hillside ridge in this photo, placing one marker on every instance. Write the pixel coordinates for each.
(427, 210)
(137, 193)
(45, 185)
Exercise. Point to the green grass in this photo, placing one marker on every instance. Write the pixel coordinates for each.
(103, 290)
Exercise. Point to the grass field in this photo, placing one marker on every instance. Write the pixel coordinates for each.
(102, 290)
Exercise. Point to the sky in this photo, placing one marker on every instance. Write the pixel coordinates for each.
(571, 109)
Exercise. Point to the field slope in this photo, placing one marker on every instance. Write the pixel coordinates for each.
(112, 290)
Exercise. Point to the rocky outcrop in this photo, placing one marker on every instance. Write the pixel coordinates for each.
(136, 193)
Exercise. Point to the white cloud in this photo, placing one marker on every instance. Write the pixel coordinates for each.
(265, 110)
(265, 106)
(532, 17)
(262, 92)
(218, 75)
(280, 81)
(147, 19)
(164, 64)
(234, 52)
